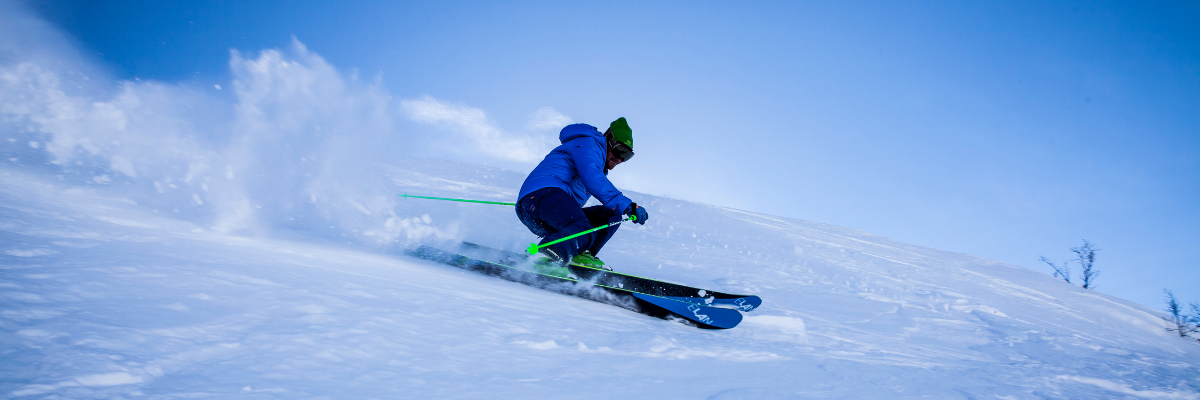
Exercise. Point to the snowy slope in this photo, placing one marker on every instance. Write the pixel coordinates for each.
(105, 296)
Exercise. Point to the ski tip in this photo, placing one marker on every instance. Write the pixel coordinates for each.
(703, 316)
(748, 303)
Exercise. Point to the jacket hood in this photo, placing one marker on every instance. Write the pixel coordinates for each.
(575, 131)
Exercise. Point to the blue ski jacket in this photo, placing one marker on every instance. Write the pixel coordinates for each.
(577, 167)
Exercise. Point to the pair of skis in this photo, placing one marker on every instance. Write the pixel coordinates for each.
(703, 308)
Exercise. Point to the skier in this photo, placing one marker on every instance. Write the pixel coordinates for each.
(551, 199)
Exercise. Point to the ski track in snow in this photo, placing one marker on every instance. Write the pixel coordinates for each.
(100, 298)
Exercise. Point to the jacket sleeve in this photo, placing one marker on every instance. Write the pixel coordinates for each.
(589, 163)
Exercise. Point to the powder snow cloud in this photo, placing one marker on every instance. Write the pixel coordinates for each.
(297, 146)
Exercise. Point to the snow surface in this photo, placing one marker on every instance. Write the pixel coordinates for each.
(102, 297)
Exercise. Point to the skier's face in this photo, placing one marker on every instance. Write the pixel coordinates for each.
(611, 160)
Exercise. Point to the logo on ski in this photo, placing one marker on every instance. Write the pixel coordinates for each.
(741, 303)
(695, 309)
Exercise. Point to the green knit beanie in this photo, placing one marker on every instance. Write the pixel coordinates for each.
(621, 132)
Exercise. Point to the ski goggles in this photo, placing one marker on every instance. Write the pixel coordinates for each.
(620, 150)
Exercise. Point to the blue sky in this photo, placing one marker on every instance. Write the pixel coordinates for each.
(1007, 130)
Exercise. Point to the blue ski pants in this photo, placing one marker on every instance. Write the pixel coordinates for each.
(551, 213)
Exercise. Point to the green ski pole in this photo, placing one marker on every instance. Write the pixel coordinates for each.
(534, 247)
(406, 195)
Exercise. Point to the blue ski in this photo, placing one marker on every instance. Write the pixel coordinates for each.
(673, 291)
(661, 307)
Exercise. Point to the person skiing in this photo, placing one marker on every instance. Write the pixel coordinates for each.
(552, 197)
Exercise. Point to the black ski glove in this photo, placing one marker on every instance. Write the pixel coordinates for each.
(637, 212)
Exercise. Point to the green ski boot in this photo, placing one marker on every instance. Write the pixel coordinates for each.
(547, 264)
(587, 260)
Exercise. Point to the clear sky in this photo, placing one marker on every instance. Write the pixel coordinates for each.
(1008, 130)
